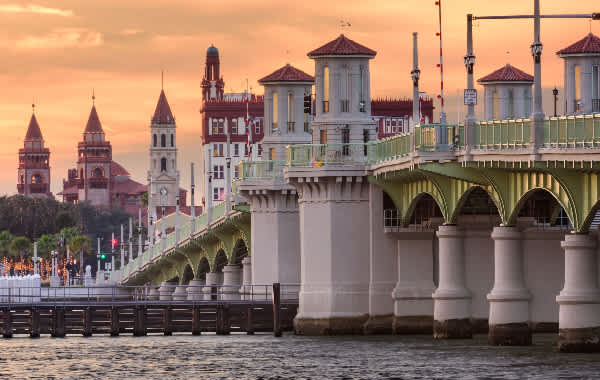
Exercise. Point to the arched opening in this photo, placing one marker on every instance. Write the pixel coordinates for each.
(423, 210)
(37, 178)
(240, 250)
(542, 209)
(154, 140)
(163, 140)
(203, 269)
(188, 275)
(220, 261)
(97, 173)
(477, 202)
(172, 140)
(81, 177)
(163, 164)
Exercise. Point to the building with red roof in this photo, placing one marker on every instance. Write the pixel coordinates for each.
(33, 173)
(582, 75)
(507, 93)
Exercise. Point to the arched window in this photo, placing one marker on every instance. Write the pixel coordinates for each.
(97, 173)
(163, 140)
(155, 140)
(22, 179)
(37, 178)
(81, 174)
(274, 114)
(326, 89)
(163, 164)
(172, 140)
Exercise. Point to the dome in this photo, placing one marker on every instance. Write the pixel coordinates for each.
(212, 51)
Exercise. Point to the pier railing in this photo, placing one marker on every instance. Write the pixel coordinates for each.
(579, 131)
(502, 134)
(261, 170)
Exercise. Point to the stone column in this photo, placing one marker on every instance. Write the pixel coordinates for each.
(246, 275)
(413, 304)
(212, 280)
(382, 274)
(232, 279)
(334, 293)
(153, 294)
(579, 300)
(194, 290)
(180, 293)
(509, 298)
(452, 299)
(166, 291)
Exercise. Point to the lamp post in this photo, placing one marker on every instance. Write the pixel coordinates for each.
(555, 93)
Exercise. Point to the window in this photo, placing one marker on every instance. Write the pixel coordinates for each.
(578, 88)
(163, 140)
(155, 140)
(306, 123)
(495, 105)
(345, 105)
(217, 150)
(511, 105)
(326, 89)
(97, 173)
(236, 172)
(246, 150)
(260, 150)
(163, 164)
(365, 140)
(215, 127)
(596, 88)
(361, 88)
(527, 101)
(323, 140)
(274, 113)
(172, 140)
(218, 193)
(221, 127)
(218, 171)
(272, 154)
(236, 150)
(290, 106)
(37, 178)
(258, 126)
(346, 141)
(234, 126)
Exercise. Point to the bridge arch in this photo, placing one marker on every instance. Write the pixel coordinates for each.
(203, 268)
(529, 195)
(475, 199)
(220, 261)
(188, 275)
(240, 250)
(424, 205)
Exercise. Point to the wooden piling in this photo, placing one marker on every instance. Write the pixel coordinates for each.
(58, 323)
(196, 320)
(249, 320)
(87, 321)
(114, 321)
(277, 309)
(223, 321)
(8, 323)
(139, 328)
(167, 321)
(34, 327)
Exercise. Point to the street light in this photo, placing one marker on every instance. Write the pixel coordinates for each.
(536, 51)
(555, 93)
(469, 63)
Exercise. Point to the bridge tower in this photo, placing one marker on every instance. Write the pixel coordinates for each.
(275, 244)
(334, 294)
(34, 163)
(163, 173)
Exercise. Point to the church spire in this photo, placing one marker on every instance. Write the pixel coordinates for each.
(33, 131)
(163, 114)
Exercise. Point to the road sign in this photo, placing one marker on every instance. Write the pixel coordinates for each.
(470, 96)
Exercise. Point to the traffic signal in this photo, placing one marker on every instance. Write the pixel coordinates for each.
(102, 256)
(307, 103)
(114, 243)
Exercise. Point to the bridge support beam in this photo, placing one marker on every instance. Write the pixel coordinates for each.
(579, 300)
(334, 294)
(452, 299)
(509, 298)
(413, 303)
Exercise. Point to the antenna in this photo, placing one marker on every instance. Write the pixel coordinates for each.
(93, 96)
(162, 79)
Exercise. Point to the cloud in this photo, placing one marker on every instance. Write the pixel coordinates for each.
(36, 9)
(62, 38)
(131, 32)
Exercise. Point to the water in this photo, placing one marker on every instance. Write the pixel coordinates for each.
(291, 357)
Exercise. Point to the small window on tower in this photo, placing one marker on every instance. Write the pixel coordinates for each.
(97, 173)
(36, 178)
(155, 140)
(163, 164)
(163, 140)
(172, 140)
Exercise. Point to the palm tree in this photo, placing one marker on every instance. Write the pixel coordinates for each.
(20, 246)
(80, 243)
(5, 240)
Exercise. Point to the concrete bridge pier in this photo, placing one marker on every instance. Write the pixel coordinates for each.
(232, 279)
(166, 290)
(579, 300)
(213, 280)
(194, 290)
(180, 293)
(452, 299)
(509, 298)
(334, 294)
(413, 304)
(246, 287)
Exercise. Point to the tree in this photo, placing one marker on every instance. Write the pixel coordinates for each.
(5, 240)
(20, 246)
(46, 244)
(80, 243)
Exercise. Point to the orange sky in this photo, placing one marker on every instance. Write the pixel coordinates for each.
(55, 52)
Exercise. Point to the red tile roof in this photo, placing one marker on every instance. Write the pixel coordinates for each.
(163, 114)
(590, 44)
(33, 131)
(287, 73)
(67, 190)
(117, 169)
(342, 46)
(128, 186)
(93, 125)
(507, 73)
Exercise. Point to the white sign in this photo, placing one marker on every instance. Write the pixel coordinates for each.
(470, 96)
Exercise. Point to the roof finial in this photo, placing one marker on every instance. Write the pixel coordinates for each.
(33, 107)
(93, 97)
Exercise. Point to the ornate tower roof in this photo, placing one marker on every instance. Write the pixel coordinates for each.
(590, 44)
(507, 73)
(212, 51)
(163, 114)
(93, 125)
(33, 131)
(287, 73)
(342, 46)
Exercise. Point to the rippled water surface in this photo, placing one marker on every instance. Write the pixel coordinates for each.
(290, 357)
